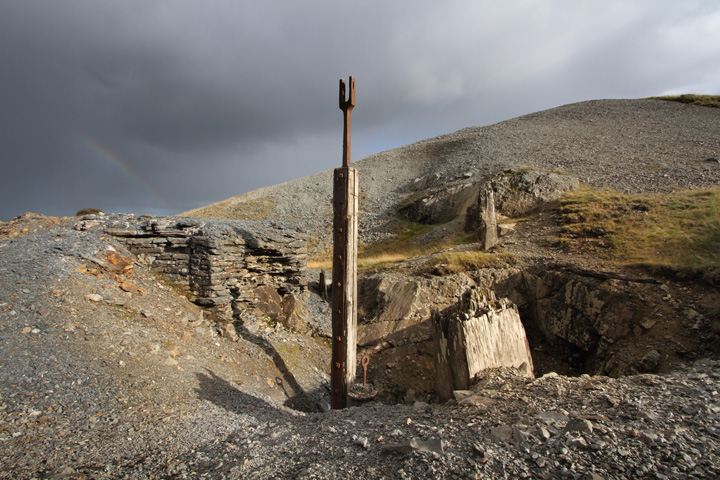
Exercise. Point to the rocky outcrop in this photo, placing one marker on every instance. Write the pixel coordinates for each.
(439, 204)
(575, 310)
(478, 333)
(395, 330)
(584, 312)
(513, 194)
(523, 192)
(605, 325)
(396, 309)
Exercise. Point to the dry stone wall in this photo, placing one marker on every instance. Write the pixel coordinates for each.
(227, 265)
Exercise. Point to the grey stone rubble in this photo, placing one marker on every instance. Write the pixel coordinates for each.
(104, 382)
(108, 371)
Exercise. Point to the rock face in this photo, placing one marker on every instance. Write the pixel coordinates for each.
(522, 192)
(575, 310)
(476, 334)
(440, 204)
(397, 308)
(604, 323)
(395, 330)
(512, 193)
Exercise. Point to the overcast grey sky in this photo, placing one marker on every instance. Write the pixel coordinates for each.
(160, 106)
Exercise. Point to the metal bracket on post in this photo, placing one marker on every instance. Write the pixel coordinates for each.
(344, 283)
(346, 105)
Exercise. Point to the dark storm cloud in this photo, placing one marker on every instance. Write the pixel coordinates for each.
(162, 106)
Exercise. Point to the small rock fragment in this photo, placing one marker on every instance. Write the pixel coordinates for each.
(230, 333)
(649, 362)
(361, 441)
(129, 287)
(502, 433)
(579, 442)
(94, 297)
(429, 446)
(579, 425)
(648, 324)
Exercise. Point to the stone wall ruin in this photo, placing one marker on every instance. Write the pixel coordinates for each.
(251, 268)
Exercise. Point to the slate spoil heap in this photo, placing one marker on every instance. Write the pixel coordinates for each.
(172, 347)
(107, 371)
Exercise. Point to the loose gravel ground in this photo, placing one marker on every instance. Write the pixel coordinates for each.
(107, 371)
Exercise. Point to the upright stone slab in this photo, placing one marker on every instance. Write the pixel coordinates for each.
(489, 232)
(477, 333)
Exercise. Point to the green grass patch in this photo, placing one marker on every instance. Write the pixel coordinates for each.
(693, 99)
(680, 229)
(251, 209)
(400, 247)
(403, 247)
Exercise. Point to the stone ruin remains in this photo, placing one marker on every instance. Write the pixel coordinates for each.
(249, 268)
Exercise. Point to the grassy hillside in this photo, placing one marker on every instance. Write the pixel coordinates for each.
(693, 99)
(680, 229)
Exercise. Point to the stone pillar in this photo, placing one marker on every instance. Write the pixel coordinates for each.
(488, 232)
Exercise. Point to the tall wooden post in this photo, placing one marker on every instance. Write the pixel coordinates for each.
(344, 283)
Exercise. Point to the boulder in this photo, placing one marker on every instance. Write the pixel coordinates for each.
(396, 308)
(519, 193)
(296, 313)
(268, 301)
(649, 362)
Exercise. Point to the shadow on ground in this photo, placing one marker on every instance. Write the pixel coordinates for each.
(298, 398)
(225, 395)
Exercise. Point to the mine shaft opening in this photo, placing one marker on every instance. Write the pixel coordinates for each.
(559, 356)
(405, 372)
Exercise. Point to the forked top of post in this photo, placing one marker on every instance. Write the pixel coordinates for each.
(347, 103)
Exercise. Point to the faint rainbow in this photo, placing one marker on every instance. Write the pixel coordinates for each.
(124, 166)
